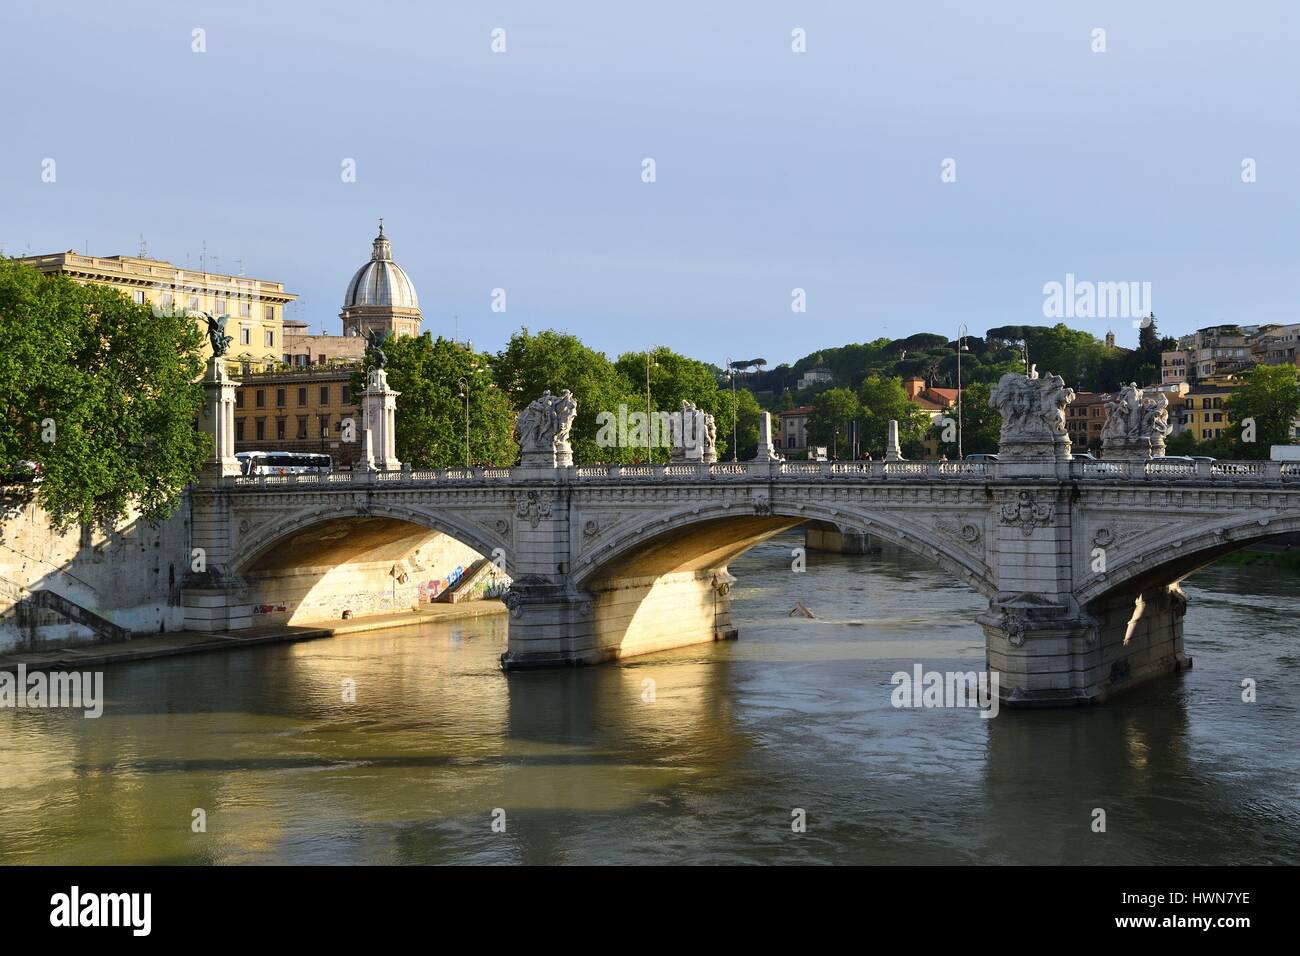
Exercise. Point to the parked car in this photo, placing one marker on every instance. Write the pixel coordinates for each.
(1085, 456)
(982, 457)
(1176, 460)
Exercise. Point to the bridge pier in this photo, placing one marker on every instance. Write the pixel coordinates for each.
(1047, 656)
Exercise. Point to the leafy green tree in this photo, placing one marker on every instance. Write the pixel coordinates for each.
(981, 426)
(102, 393)
(748, 412)
(829, 423)
(1270, 396)
(431, 407)
(674, 378)
(530, 364)
(883, 398)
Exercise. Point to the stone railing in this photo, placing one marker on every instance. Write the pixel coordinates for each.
(802, 471)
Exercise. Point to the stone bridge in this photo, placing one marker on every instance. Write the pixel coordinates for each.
(1080, 560)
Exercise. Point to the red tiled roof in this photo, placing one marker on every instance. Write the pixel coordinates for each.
(801, 410)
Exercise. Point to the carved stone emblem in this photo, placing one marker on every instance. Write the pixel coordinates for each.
(1026, 513)
(966, 531)
(534, 506)
(590, 528)
(1013, 622)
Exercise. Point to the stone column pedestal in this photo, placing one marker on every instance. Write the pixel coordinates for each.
(1130, 449)
(379, 418)
(893, 451)
(219, 420)
(766, 450)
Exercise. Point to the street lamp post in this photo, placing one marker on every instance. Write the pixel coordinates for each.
(464, 392)
(961, 347)
(649, 459)
(731, 377)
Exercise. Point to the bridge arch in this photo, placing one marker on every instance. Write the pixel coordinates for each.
(1178, 552)
(264, 539)
(733, 528)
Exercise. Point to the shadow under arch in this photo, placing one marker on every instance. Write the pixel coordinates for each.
(398, 524)
(697, 538)
(661, 581)
(354, 561)
(1169, 559)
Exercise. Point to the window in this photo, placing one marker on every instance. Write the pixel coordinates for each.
(268, 313)
(138, 296)
(302, 399)
(196, 304)
(347, 395)
(279, 429)
(324, 426)
(245, 335)
(261, 399)
(302, 427)
(165, 300)
(270, 338)
(244, 310)
(261, 429)
(219, 306)
(324, 394)
(239, 429)
(320, 360)
(239, 398)
(279, 398)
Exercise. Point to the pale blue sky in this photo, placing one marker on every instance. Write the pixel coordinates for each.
(775, 170)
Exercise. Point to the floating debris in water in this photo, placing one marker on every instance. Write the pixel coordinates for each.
(801, 610)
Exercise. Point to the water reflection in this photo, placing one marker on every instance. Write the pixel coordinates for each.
(696, 755)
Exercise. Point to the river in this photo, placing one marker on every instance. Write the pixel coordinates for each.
(702, 755)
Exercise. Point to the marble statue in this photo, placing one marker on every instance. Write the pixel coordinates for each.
(543, 430)
(1033, 415)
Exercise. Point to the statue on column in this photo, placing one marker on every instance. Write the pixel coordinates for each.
(1136, 424)
(1033, 416)
(543, 430)
(217, 336)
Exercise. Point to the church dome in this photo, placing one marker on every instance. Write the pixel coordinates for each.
(381, 281)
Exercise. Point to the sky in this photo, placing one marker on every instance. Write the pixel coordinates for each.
(774, 170)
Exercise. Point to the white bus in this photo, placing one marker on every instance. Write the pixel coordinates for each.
(283, 463)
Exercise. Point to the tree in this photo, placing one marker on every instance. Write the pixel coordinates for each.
(1271, 397)
(981, 426)
(884, 399)
(675, 378)
(748, 412)
(829, 423)
(531, 364)
(431, 410)
(102, 393)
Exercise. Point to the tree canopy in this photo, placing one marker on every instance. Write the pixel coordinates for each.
(103, 394)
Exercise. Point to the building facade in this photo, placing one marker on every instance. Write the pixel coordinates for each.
(792, 430)
(254, 307)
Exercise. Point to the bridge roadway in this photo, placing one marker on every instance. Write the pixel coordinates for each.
(1079, 560)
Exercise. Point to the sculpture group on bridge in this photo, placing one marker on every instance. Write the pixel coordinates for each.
(694, 435)
(1136, 424)
(1033, 415)
(543, 428)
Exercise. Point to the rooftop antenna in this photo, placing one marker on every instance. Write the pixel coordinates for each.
(239, 264)
(144, 247)
(203, 257)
